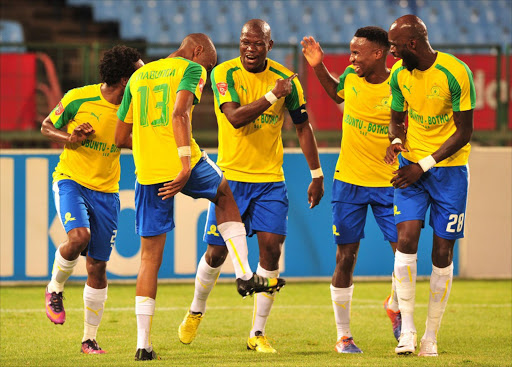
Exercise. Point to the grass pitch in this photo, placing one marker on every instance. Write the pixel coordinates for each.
(476, 328)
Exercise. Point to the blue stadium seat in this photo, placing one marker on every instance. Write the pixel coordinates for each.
(11, 32)
(330, 21)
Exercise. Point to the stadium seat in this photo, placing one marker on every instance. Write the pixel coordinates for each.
(331, 21)
(11, 32)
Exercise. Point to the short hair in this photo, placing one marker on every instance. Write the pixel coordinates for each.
(118, 62)
(374, 34)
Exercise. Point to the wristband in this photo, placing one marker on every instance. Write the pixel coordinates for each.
(315, 173)
(184, 151)
(271, 97)
(396, 141)
(427, 163)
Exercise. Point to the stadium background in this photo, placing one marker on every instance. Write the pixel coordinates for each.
(50, 46)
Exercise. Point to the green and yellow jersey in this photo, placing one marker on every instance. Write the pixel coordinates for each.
(431, 97)
(94, 162)
(148, 104)
(253, 153)
(365, 132)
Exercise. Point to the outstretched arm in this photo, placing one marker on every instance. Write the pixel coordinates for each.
(315, 56)
(240, 116)
(308, 145)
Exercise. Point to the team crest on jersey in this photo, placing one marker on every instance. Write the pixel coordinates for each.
(59, 109)
(435, 92)
(384, 104)
(201, 85)
(222, 88)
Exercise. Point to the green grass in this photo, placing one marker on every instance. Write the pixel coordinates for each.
(476, 328)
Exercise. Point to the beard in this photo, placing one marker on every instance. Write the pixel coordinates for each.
(409, 60)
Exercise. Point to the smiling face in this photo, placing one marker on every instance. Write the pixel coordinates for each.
(364, 55)
(254, 46)
(401, 48)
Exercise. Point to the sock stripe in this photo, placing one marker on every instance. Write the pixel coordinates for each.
(445, 289)
(409, 272)
(237, 257)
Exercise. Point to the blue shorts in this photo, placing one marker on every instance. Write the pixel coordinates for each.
(349, 208)
(77, 206)
(445, 190)
(154, 216)
(263, 207)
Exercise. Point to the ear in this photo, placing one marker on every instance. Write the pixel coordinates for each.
(412, 44)
(198, 50)
(270, 45)
(378, 54)
(124, 81)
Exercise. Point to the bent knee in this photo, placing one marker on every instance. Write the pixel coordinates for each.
(79, 237)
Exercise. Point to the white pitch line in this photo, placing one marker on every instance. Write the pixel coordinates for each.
(328, 306)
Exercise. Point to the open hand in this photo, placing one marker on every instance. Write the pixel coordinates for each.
(312, 51)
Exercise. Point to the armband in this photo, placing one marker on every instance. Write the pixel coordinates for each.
(271, 97)
(315, 173)
(184, 151)
(427, 163)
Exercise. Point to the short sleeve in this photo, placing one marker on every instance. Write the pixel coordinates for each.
(193, 80)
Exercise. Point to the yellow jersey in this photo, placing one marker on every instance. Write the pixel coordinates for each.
(94, 162)
(148, 104)
(366, 117)
(252, 153)
(431, 97)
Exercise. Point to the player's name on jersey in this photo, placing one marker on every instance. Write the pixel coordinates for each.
(99, 146)
(155, 74)
(265, 119)
(430, 120)
(363, 126)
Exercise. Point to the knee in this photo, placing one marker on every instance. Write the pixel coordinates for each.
(79, 238)
(442, 256)
(345, 259)
(406, 244)
(97, 273)
(270, 257)
(216, 255)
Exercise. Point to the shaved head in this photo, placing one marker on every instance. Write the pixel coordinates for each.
(408, 38)
(199, 48)
(410, 26)
(259, 26)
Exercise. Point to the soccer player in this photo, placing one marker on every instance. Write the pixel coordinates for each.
(251, 95)
(361, 178)
(86, 186)
(157, 107)
(436, 90)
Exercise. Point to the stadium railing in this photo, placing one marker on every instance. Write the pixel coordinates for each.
(77, 65)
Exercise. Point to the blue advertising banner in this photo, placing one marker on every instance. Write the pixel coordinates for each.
(31, 231)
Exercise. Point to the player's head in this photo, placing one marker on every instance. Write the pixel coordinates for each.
(118, 64)
(255, 43)
(368, 50)
(198, 47)
(408, 37)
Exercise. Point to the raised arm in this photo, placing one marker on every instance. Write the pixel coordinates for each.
(240, 116)
(315, 56)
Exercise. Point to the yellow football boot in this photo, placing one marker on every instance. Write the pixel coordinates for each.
(260, 343)
(188, 328)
